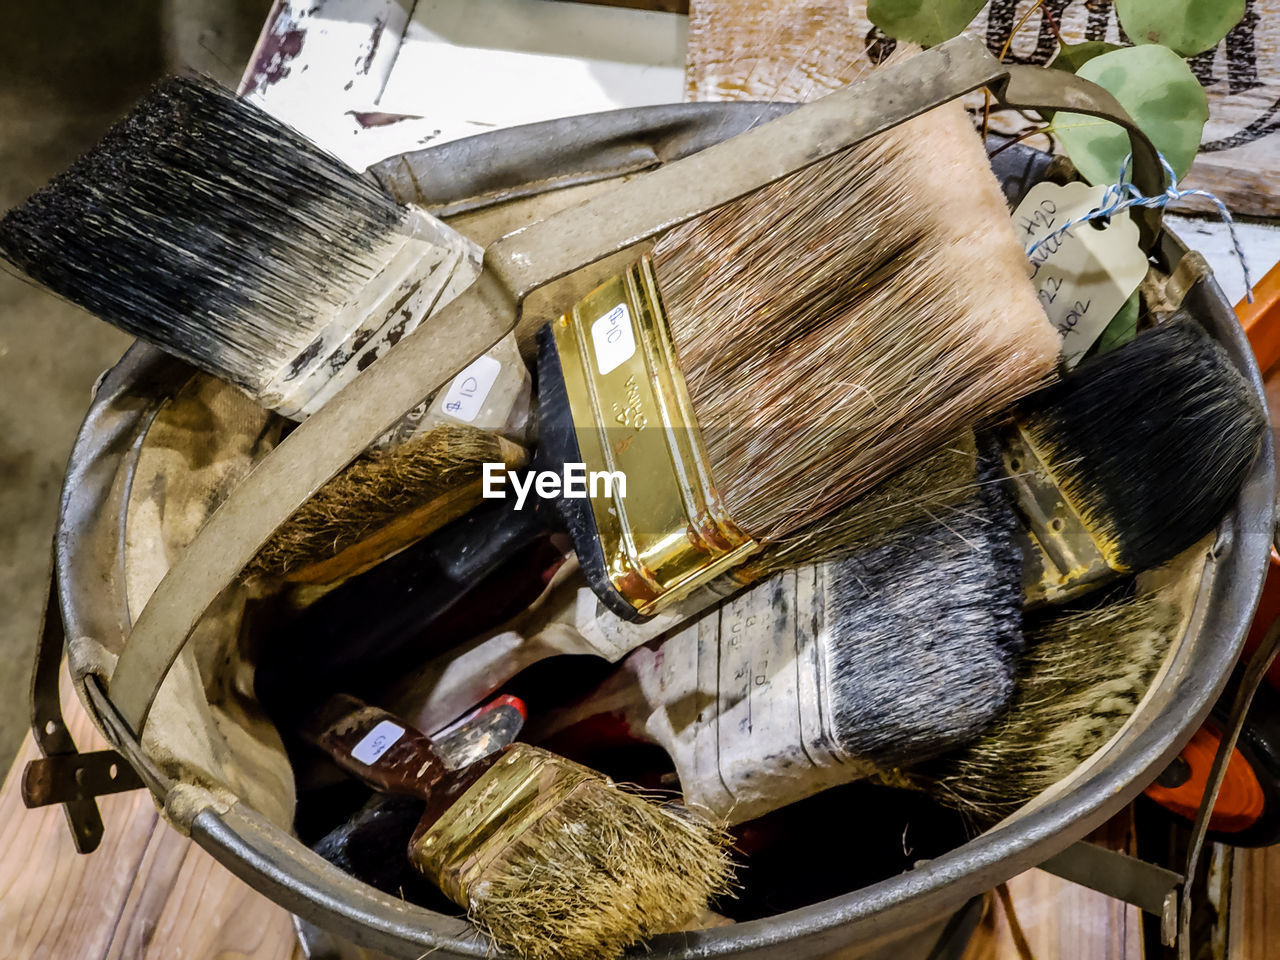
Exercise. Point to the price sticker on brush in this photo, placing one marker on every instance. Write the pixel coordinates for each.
(1084, 274)
(377, 742)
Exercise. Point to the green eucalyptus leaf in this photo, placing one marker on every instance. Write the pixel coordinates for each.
(1123, 326)
(926, 22)
(1186, 27)
(1161, 94)
(1073, 56)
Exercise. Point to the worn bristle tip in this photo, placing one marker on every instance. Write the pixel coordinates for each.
(373, 492)
(1151, 442)
(204, 225)
(836, 323)
(928, 628)
(1081, 678)
(607, 869)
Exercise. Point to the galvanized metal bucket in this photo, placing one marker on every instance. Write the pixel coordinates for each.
(488, 185)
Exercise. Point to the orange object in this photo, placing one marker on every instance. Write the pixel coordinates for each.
(1261, 319)
(1241, 801)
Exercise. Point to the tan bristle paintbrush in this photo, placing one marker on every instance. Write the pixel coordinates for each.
(550, 859)
(1081, 677)
(205, 226)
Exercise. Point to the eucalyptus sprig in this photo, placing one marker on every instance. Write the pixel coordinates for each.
(1151, 78)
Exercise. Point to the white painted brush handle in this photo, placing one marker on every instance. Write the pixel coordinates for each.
(433, 265)
(739, 699)
(567, 618)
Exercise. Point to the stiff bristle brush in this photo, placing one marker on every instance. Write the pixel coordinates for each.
(1131, 459)
(826, 673)
(1081, 677)
(205, 226)
(552, 860)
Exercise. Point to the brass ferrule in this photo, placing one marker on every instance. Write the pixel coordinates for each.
(632, 415)
(1062, 559)
(493, 814)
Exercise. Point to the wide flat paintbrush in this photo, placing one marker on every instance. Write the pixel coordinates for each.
(549, 858)
(826, 673)
(205, 226)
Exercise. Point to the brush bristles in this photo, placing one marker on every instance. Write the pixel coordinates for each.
(207, 227)
(1150, 443)
(933, 488)
(605, 870)
(1081, 678)
(373, 492)
(927, 631)
(838, 323)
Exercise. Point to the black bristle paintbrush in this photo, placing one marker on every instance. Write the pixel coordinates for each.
(550, 859)
(824, 674)
(1131, 459)
(205, 226)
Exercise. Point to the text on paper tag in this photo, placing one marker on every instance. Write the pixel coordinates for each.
(1082, 275)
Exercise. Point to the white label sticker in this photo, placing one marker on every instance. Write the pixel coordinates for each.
(470, 388)
(1084, 275)
(377, 742)
(614, 341)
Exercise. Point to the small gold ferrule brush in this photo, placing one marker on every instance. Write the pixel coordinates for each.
(1132, 458)
(549, 858)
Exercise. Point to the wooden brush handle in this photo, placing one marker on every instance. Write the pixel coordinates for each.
(375, 747)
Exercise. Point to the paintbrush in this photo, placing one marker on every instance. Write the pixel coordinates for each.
(826, 673)
(547, 857)
(1080, 679)
(1131, 459)
(205, 226)
(370, 845)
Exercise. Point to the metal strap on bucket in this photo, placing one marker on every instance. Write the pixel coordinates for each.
(63, 774)
(546, 251)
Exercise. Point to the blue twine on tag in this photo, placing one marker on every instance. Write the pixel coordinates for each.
(1122, 195)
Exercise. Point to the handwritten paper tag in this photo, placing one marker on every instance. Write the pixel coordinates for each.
(470, 388)
(1084, 275)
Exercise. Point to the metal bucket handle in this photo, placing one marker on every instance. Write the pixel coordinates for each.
(548, 250)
